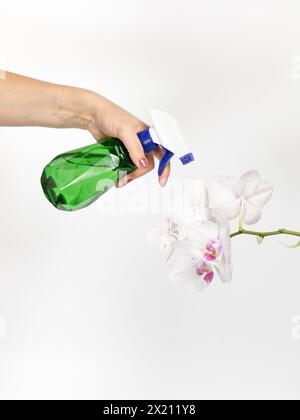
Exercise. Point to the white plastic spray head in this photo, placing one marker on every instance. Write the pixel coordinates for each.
(165, 133)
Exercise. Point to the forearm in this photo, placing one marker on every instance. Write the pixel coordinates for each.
(29, 102)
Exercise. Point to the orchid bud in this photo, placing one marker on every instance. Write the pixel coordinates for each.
(260, 240)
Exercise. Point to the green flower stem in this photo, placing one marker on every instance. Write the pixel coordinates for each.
(263, 235)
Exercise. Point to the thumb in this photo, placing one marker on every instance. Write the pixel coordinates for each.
(132, 143)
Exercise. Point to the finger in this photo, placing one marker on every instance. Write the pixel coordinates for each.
(138, 173)
(135, 149)
(163, 179)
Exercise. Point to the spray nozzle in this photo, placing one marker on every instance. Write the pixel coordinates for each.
(165, 133)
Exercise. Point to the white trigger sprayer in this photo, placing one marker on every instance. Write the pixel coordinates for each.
(165, 133)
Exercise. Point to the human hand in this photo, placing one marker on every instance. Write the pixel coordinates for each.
(108, 119)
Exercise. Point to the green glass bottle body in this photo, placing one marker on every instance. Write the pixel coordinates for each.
(76, 179)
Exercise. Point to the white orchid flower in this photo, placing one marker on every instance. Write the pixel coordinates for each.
(165, 235)
(203, 249)
(245, 197)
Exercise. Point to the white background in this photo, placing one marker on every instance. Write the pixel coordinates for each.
(88, 310)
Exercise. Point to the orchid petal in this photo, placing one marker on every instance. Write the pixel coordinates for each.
(251, 213)
(224, 235)
(222, 190)
(201, 200)
(164, 228)
(183, 270)
(262, 195)
(227, 246)
(167, 249)
(209, 230)
(190, 249)
(164, 235)
(200, 232)
(224, 196)
(224, 270)
(248, 184)
(192, 204)
(231, 209)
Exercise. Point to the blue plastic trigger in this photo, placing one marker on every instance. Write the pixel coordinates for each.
(149, 145)
(147, 141)
(165, 160)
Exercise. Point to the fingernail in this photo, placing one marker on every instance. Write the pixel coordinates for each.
(163, 182)
(143, 163)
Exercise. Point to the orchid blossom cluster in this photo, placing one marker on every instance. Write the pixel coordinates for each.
(198, 245)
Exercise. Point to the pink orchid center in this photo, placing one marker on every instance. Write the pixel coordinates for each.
(214, 249)
(204, 270)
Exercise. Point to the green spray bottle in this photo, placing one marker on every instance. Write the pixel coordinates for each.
(76, 179)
